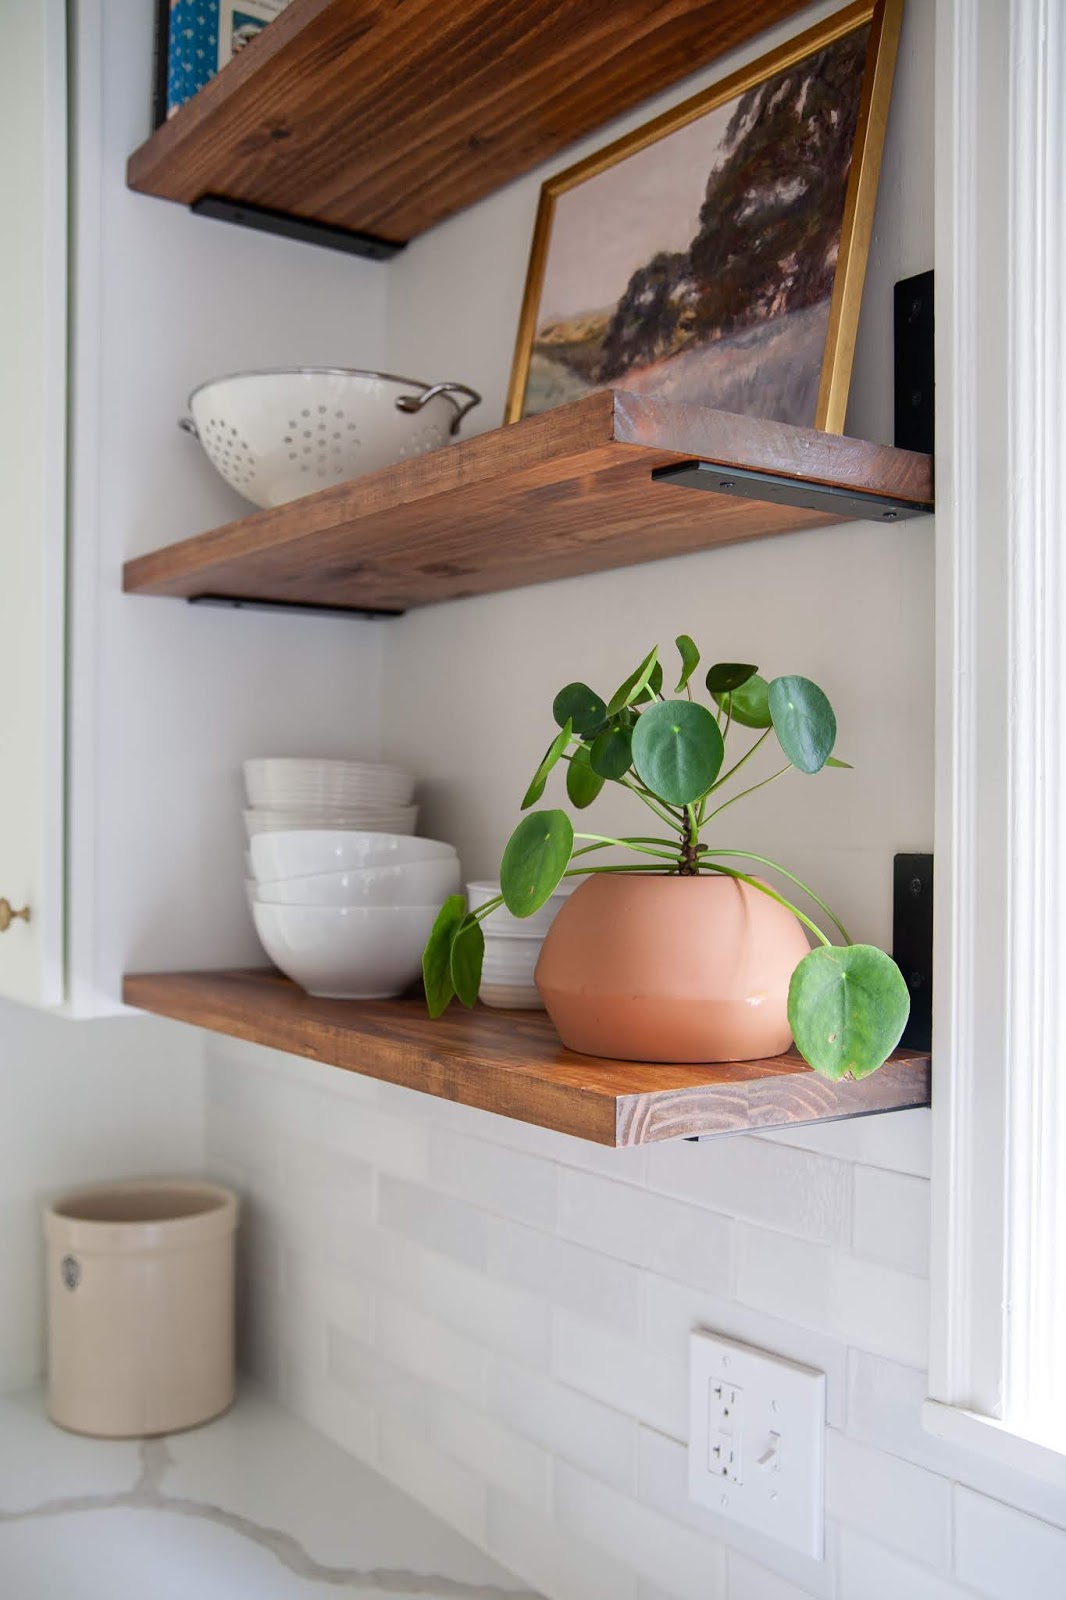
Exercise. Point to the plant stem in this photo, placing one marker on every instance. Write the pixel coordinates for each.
(749, 855)
(764, 888)
(639, 866)
(688, 864)
(629, 839)
(737, 765)
(663, 813)
(740, 795)
(624, 844)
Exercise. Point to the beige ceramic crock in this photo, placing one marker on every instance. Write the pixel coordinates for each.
(643, 968)
(140, 1307)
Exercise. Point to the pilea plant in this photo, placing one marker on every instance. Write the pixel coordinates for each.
(847, 1004)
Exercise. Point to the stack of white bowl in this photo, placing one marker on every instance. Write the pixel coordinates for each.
(512, 947)
(346, 915)
(352, 796)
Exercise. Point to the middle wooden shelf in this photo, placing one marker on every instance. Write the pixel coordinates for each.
(610, 480)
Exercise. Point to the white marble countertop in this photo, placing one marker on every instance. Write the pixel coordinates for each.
(255, 1506)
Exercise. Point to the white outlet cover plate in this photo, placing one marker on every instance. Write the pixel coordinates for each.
(774, 1482)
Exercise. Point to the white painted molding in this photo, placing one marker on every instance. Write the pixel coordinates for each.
(999, 1105)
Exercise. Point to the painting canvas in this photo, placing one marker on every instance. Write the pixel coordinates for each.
(716, 256)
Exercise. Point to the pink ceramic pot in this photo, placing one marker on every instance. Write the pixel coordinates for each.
(643, 968)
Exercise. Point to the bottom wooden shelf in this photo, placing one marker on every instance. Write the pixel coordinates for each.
(512, 1062)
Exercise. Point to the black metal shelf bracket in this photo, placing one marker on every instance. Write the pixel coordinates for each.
(746, 484)
(296, 607)
(290, 227)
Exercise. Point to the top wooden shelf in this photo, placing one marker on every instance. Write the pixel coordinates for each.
(383, 119)
(572, 491)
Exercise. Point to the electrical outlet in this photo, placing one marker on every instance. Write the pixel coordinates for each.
(757, 1440)
(724, 1423)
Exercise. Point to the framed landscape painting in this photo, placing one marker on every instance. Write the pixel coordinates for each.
(717, 254)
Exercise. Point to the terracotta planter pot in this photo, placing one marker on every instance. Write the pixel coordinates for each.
(671, 969)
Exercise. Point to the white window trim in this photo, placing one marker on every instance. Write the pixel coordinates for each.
(1000, 958)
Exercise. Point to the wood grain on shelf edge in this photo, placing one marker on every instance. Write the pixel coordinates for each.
(566, 492)
(386, 119)
(512, 1063)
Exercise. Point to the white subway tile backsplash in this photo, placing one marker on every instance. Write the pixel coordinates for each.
(870, 1571)
(791, 1277)
(861, 1302)
(1004, 1554)
(498, 1317)
(621, 1373)
(554, 1561)
(892, 1219)
(684, 1563)
(426, 1348)
(900, 1141)
(895, 1502)
(435, 1220)
(630, 1224)
(334, 1410)
(378, 1385)
(748, 1177)
(747, 1580)
(663, 1484)
(497, 1453)
(884, 1410)
(581, 1280)
(880, 1309)
(456, 1495)
(494, 1313)
(673, 1310)
(570, 1425)
(500, 1180)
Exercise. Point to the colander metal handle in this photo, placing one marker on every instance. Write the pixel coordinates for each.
(415, 402)
(187, 425)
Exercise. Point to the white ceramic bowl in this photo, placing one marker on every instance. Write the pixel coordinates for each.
(361, 819)
(511, 955)
(416, 883)
(303, 854)
(346, 952)
(284, 782)
(280, 434)
(510, 996)
(502, 925)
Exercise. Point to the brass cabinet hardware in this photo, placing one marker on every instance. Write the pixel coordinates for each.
(8, 915)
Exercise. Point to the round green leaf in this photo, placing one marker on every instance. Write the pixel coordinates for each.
(551, 756)
(582, 784)
(581, 706)
(803, 721)
(726, 675)
(537, 855)
(611, 753)
(749, 705)
(690, 659)
(437, 956)
(847, 1009)
(467, 954)
(634, 685)
(677, 750)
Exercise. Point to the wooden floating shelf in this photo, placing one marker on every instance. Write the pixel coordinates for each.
(567, 492)
(382, 119)
(511, 1062)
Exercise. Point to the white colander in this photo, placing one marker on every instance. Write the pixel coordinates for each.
(277, 435)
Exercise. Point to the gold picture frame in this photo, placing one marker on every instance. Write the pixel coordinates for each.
(882, 19)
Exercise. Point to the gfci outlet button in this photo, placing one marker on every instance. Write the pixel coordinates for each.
(757, 1441)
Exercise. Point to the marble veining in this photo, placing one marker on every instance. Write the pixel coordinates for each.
(80, 1523)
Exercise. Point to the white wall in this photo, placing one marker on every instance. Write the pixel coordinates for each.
(81, 1102)
(496, 1316)
(168, 699)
